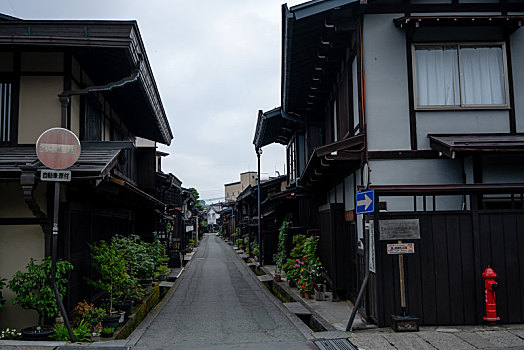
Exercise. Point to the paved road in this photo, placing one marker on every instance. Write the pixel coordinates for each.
(218, 304)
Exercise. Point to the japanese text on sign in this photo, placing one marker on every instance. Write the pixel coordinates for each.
(401, 248)
(55, 175)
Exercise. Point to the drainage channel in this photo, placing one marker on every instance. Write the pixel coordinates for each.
(292, 305)
(306, 316)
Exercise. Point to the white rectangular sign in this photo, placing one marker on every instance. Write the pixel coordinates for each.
(55, 175)
(401, 248)
(189, 228)
(372, 265)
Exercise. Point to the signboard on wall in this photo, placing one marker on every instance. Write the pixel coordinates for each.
(372, 264)
(399, 229)
(401, 248)
(189, 228)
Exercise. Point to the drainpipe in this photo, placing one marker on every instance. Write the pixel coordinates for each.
(364, 128)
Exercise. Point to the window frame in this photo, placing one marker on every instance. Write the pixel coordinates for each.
(462, 106)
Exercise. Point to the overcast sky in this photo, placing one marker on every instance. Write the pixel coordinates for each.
(216, 63)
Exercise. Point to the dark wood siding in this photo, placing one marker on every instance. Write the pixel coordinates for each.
(442, 287)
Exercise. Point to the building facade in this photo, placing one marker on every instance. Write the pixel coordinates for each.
(233, 189)
(93, 78)
(422, 102)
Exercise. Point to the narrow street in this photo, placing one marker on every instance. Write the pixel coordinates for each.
(217, 304)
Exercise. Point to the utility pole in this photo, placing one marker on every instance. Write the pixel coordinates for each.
(259, 153)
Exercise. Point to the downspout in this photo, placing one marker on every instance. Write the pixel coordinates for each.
(366, 158)
(28, 182)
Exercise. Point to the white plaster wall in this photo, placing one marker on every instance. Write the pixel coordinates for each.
(456, 122)
(416, 172)
(39, 106)
(387, 101)
(17, 245)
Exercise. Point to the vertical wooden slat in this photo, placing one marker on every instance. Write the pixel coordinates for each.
(468, 269)
(455, 275)
(427, 269)
(499, 263)
(514, 284)
(441, 271)
(520, 247)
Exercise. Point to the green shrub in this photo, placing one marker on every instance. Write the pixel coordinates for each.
(110, 264)
(82, 333)
(281, 255)
(240, 242)
(108, 330)
(33, 288)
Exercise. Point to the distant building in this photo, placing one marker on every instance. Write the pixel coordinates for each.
(233, 189)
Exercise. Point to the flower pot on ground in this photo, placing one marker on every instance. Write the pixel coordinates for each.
(126, 306)
(107, 332)
(36, 333)
(277, 277)
(34, 292)
(122, 315)
(111, 321)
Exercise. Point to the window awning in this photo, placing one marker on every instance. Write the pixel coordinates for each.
(511, 23)
(331, 163)
(451, 144)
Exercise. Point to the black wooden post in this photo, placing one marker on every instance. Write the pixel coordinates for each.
(53, 261)
(259, 153)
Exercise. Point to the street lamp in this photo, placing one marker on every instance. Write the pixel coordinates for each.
(259, 153)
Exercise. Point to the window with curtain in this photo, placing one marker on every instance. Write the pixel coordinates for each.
(460, 75)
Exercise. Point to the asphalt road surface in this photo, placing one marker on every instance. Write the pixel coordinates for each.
(218, 304)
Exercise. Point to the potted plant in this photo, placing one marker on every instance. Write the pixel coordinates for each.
(34, 291)
(110, 266)
(82, 333)
(88, 314)
(293, 268)
(107, 332)
(162, 272)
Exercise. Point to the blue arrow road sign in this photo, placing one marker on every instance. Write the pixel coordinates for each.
(365, 201)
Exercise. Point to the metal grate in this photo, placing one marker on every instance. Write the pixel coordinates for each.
(93, 348)
(334, 344)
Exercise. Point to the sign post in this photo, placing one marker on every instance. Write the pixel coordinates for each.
(365, 203)
(403, 229)
(58, 149)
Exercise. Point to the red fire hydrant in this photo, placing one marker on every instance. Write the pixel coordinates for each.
(490, 285)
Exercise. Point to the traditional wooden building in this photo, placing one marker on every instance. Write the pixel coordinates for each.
(93, 78)
(422, 102)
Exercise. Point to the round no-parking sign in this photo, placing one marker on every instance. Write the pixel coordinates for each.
(58, 148)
